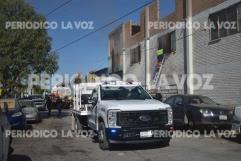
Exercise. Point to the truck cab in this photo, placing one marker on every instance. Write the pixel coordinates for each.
(125, 113)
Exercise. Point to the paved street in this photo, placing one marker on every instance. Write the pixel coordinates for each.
(66, 149)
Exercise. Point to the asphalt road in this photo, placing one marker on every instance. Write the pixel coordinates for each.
(85, 149)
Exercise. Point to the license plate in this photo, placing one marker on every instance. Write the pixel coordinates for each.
(146, 134)
(223, 117)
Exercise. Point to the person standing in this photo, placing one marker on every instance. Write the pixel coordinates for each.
(59, 106)
(49, 105)
(160, 57)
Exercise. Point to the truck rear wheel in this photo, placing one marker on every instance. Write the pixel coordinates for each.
(79, 126)
(166, 142)
(102, 137)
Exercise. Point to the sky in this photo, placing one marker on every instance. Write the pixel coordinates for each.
(90, 53)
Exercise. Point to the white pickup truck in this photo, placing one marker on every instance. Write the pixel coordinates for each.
(125, 113)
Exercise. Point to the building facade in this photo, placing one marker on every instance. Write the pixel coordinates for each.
(218, 52)
(212, 53)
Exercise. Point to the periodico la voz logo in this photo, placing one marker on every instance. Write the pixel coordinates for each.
(35, 25)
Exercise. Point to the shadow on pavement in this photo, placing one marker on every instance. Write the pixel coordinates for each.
(54, 114)
(17, 157)
(131, 147)
(29, 127)
(236, 140)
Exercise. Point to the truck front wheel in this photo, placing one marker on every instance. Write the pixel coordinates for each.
(165, 142)
(102, 137)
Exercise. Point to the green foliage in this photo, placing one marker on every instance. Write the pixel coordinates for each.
(23, 51)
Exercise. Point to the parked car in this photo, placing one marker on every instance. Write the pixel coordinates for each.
(30, 110)
(39, 101)
(4, 139)
(15, 116)
(237, 120)
(199, 111)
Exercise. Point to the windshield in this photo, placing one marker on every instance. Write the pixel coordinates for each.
(201, 100)
(124, 93)
(36, 97)
(26, 103)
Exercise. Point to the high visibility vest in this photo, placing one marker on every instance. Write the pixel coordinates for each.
(1, 91)
(159, 52)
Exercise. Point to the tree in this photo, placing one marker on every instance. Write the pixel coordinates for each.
(23, 51)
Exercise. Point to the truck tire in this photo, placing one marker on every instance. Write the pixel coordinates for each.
(79, 126)
(191, 123)
(102, 137)
(166, 142)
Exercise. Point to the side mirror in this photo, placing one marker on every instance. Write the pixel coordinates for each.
(84, 99)
(24, 106)
(90, 101)
(18, 114)
(93, 102)
(158, 97)
(179, 103)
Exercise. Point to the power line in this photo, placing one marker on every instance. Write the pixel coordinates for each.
(178, 39)
(156, 48)
(60, 6)
(102, 27)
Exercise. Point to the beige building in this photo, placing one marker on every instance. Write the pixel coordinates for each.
(189, 51)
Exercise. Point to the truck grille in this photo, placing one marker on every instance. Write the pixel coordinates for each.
(142, 118)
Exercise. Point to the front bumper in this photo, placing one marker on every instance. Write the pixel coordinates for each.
(216, 122)
(41, 107)
(31, 117)
(128, 135)
(236, 127)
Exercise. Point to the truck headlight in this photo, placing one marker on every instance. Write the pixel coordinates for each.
(170, 116)
(18, 114)
(206, 113)
(112, 118)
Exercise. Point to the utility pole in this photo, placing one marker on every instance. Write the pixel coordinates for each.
(188, 46)
(147, 50)
(124, 53)
(185, 43)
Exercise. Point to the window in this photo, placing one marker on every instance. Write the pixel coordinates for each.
(116, 61)
(124, 93)
(170, 100)
(178, 100)
(214, 27)
(168, 43)
(136, 55)
(173, 41)
(231, 15)
(94, 95)
(201, 100)
(135, 29)
(224, 22)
